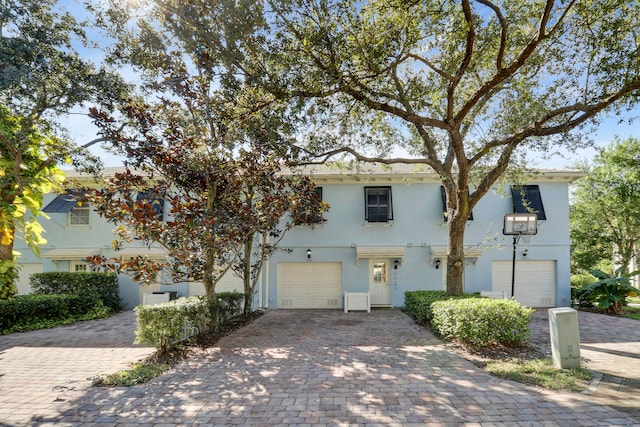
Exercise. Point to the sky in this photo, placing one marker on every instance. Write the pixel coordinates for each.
(82, 130)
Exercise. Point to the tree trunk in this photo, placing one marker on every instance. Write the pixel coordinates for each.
(8, 270)
(8, 266)
(455, 259)
(246, 276)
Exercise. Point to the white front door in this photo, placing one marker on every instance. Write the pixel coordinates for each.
(379, 281)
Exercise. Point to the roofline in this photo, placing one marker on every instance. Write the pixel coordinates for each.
(405, 173)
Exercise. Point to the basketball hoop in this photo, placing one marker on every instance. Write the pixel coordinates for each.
(518, 225)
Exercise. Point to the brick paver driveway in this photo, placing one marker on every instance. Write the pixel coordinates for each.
(330, 368)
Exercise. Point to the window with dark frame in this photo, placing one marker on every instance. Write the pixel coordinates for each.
(303, 214)
(527, 199)
(443, 194)
(156, 202)
(378, 206)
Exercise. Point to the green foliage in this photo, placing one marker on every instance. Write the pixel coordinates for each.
(165, 326)
(31, 312)
(578, 281)
(225, 306)
(610, 291)
(138, 374)
(482, 321)
(102, 286)
(42, 77)
(417, 304)
(605, 211)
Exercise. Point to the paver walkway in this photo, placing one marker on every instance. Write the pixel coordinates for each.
(43, 370)
(323, 368)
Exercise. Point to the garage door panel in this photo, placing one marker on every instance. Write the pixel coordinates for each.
(310, 285)
(535, 281)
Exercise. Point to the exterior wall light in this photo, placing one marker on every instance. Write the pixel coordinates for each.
(438, 262)
(308, 253)
(396, 263)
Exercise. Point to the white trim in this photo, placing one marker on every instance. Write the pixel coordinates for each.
(70, 254)
(393, 252)
(151, 253)
(442, 253)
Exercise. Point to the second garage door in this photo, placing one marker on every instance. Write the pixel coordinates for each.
(535, 282)
(310, 285)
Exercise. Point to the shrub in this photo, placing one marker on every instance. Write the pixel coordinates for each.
(417, 304)
(30, 312)
(164, 326)
(103, 286)
(482, 321)
(610, 292)
(225, 307)
(578, 281)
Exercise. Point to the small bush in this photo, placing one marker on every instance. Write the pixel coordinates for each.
(31, 312)
(482, 321)
(164, 326)
(226, 306)
(98, 285)
(417, 304)
(579, 281)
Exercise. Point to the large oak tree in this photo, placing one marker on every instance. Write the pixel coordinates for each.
(470, 88)
(42, 76)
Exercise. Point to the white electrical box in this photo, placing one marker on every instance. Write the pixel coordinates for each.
(565, 337)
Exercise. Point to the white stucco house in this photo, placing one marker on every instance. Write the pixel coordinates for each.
(385, 233)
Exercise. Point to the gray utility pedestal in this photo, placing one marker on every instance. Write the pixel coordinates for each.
(565, 337)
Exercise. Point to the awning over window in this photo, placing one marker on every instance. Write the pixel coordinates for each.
(70, 254)
(63, 203)
(379, 252)
(442, 252)
(151, 253)
(527, 199)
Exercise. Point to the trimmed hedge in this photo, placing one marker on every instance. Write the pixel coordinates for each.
(102, 286)
(417, 304)
(482, 321)
(31, 312)
(165, 326)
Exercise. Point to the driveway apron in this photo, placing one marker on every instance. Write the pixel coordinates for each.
(314, 367)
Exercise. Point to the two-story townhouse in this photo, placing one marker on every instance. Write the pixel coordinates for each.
(384, 234)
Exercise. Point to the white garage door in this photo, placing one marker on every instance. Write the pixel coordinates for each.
(535, 281)
(23, 284)
(310, 285)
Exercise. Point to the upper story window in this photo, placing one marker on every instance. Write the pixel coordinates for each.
(378, 206)
(79, 215)
(443, 194)
(77, 212)
(527, 199)
(157, 203)
(303, 213)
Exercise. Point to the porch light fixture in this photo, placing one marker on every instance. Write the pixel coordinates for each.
(438, 262)
(308, 253)
(396, 263)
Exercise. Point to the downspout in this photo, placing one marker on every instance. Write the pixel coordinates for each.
(266, 276)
